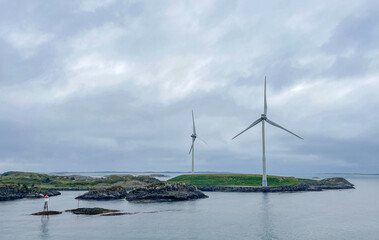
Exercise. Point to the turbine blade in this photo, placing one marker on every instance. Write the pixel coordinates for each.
(252, 125)
(193, 121)
(277, 125)
(265, 101)
(191, 146)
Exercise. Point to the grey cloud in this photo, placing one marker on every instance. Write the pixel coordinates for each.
(352, 41)
(114, 87)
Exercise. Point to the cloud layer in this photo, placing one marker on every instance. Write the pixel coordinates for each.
(110, 85)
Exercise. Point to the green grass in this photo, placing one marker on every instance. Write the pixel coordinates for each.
(233, 180)
(51, 181)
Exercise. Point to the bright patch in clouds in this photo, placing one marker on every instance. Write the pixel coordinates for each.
(27, 41)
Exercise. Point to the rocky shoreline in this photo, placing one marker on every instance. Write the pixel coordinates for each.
(165, 192)
(324, 184)
(156, 192)
(171, 191)
(111, 193)
(12, 192)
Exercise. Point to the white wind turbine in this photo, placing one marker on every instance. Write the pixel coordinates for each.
(193, 136)
(262, 119)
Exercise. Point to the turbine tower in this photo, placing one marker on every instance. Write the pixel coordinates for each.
(264, 119)
(193, 136)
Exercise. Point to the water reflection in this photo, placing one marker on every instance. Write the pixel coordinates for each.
(266, 222)
(44, 227)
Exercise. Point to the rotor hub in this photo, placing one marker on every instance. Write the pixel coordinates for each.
(263, 116)
(193, 136)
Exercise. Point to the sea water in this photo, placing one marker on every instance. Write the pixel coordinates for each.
(334, 214)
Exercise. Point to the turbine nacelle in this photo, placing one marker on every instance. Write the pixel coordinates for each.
(193, 136)
(263, 116)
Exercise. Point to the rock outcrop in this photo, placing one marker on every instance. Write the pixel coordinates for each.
(165, 192)
(45, 213)
(305, 185)
(329, 183)
(111, 193)
(11, 192)
(91, 211)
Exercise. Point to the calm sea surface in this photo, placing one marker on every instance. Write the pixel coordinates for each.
(344, 214)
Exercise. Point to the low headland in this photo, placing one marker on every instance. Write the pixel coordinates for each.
(252, 183)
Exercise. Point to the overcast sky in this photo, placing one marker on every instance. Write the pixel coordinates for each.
(110, 85)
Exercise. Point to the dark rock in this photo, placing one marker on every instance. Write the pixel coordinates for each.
(330, 183)
(165, 192)
(91, 211)
(11, 192)
(116, 192)
(41, 193)
(118, 214)
(47, 213)
(305, 185)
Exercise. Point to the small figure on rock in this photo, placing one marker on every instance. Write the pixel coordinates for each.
(46, 205)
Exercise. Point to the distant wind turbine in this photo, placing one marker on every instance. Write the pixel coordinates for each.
(262, 119)
(193, 136)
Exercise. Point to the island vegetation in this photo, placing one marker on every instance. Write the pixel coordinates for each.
(235, 180)
(72, 182)
(252, 183)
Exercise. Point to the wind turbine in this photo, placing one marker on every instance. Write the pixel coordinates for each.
(193, 136)
(264, 119)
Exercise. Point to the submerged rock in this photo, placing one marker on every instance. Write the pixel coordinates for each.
(91, 211)
(11, 192)
(47, 213)
(165, 192)
(116, 192)
(118, 214)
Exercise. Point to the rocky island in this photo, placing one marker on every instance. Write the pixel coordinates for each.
(165, 192)
(116, 192)
(12, 192)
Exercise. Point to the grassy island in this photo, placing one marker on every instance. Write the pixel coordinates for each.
(46, 181)
(234, 180)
